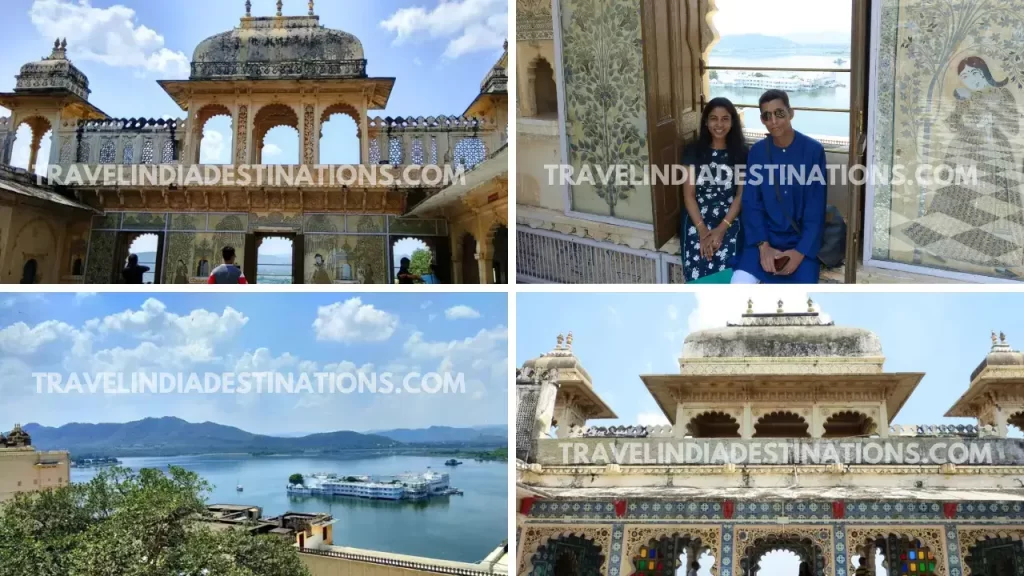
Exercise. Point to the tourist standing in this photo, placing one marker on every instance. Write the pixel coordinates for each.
(133, 273)
(404, 275)
(228, 272)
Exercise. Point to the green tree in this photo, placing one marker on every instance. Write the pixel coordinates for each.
(713, 75)
(296, 479)
(420, 264)
(124, 523)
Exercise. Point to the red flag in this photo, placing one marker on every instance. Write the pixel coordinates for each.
(950, 509)
(838, 510)
(526, 504)
(620, 508)
(728, 507)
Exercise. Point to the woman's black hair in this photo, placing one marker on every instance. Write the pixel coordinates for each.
(735, 144)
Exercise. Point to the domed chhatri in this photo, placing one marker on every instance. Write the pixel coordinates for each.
(17, 438)
(285, 47)
(782, 335)
(53, 72)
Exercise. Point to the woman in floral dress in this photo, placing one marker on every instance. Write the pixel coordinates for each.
(711, 194)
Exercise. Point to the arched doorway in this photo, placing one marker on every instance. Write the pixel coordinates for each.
(499, 264)
(29, 271)
(340, 141)
(275, 260)
(31, 150)
(788, 553)
(273, 142)
(567, 556)
(146, 247)
(542, 78)
(215, 133)
(470, 268)
(422, 258)
(672, 555)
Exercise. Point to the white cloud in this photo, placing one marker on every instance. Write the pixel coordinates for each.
(425, 305)
(472, 25)
(651, 419)
(353, 321)
(460, 313)
(107, 35)
(212, 148)
(715, 308)
(271, 150)
(431, 317)
(673, 312)
(153, 322)
(22, 340)
(82, 296)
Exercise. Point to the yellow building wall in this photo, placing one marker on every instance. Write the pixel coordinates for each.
(21, 470)
(32, 234)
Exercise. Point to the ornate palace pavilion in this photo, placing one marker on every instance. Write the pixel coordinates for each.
(779, 438)
(268, 72)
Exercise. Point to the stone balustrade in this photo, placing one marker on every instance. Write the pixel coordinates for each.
(121, 141)
(939, 430)
(455, 140)
(637, 431)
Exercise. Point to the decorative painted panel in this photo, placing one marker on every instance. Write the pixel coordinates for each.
(950, 90)
(331, 223)
(109, 221)
(413, 227)
(143, 221)
(605, 103)
(329, 259)
(364, 224)
(100, 264)
(275, 220)
(188, 221)
(229, 222)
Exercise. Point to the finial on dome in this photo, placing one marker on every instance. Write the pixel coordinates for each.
(280, 8)
(568, 342)
(56, 44)
(506, 45)
(780, 310)
(1002, 338)
(560, 340)
(311, 13)
(248, 8)
(993, 337)
(750, 305)
(810, 305)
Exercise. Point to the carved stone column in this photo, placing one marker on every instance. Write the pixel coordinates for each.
(364, 132)
(747, 426)
(310, 135)
(883, 420)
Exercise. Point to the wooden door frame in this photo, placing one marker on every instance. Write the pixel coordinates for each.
(251, 265)
(860, 86)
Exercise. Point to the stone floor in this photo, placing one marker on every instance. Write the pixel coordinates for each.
(873, 275)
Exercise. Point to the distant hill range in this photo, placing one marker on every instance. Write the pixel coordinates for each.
(175, 437)
(147, 258)
(485, 435)
(752, 44)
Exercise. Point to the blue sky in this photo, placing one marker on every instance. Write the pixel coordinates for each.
(288, 333)
(617, 337)
(438, 51)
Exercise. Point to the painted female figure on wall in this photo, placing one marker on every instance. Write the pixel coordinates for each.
(983, 125)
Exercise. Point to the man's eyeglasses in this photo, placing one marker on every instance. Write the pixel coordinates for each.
(780, 113)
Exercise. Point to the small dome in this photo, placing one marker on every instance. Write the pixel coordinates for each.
(804, 335)
(52, 73)
(279, 47)
(1000, 355)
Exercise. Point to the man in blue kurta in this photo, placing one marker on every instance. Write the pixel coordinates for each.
(783, 218)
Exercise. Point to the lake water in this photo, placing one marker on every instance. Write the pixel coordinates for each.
(816, 123)
(461, 528)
